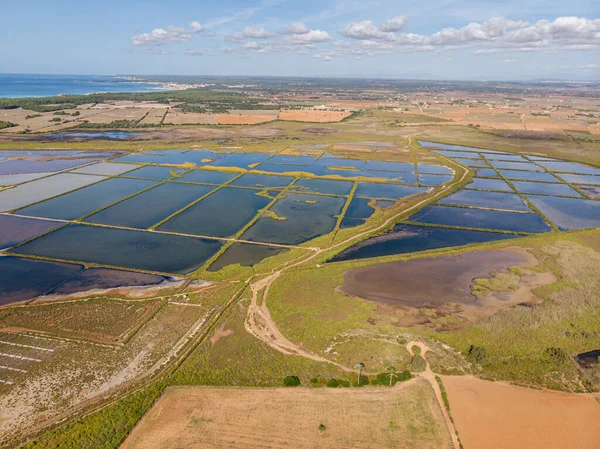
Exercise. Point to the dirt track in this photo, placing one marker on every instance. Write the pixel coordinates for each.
(258, 319)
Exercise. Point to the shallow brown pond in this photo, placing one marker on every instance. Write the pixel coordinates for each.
(430, 281)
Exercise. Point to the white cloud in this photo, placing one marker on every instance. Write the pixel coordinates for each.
(312, 36)
(494, 35)
(394, 24)
(485, 51)
(160, 36)
(365, 30)
(196, 27)
(257, 33)
(251, 45)
(323, 57)
(172, 35)
(194, 52)
(296, 28)
(489, 30)
(236, 38)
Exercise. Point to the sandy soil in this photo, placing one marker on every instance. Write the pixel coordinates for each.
(313, 116)
(220, 332)
(429, 281)
(492, 415)
(225, 119)
(405, 416)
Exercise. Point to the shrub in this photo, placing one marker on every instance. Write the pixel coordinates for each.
(559, 355)
(384, 378)
(362, 381)
(416, 349)
(344, 383)
(477, 354)
(418, 363)
(6, 125)
(404, 376)
(291, 381)
(333, 383)
(322, 427)
(314, 380)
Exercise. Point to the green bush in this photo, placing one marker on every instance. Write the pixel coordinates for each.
(477, 354)
(104, 429)
(384, 378)
(404, 376)
(559, 355)
(6, 125)
(291, 381)
(418, 363)
(344, 383)
(333, 383)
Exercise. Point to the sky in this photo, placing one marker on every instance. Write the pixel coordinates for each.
(430, 39)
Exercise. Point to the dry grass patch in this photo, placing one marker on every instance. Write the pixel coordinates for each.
(97, 319)
(175, 117)
(314, 116)
(406, 416)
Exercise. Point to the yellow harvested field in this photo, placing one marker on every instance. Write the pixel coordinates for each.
(225, 119)
(316, 116)
(353, 104)
(493, 415)
(406, 416)
(154, 117)
(189, 118)
(126, 104)
(111, 115)
(261, 112)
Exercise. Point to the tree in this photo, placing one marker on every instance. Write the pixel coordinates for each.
(359, 367)
(391, 372)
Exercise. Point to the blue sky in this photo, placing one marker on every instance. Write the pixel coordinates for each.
(438, 39)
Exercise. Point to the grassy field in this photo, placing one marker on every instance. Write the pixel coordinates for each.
(308, 309)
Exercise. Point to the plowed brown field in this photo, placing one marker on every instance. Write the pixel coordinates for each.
(493, 415)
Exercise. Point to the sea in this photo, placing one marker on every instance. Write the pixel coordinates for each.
(16, 85)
